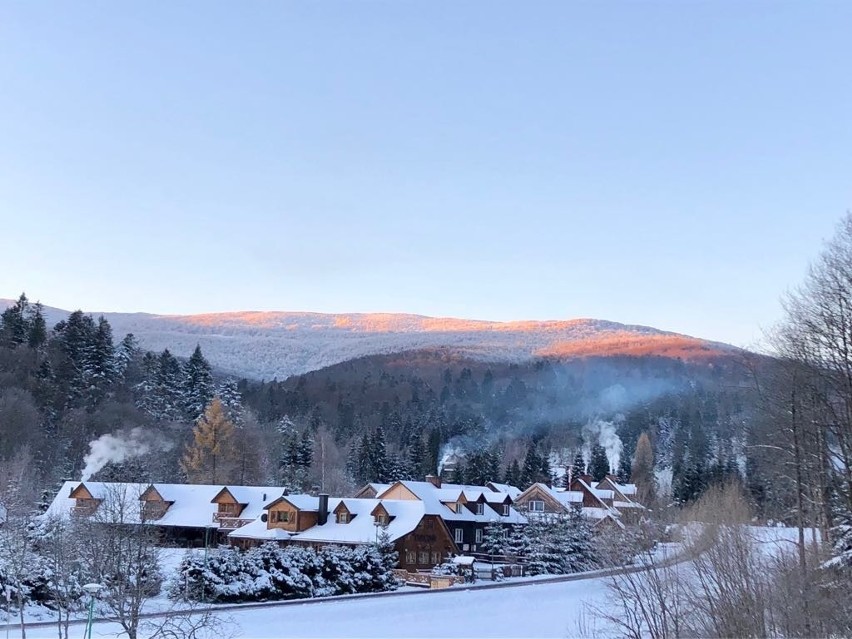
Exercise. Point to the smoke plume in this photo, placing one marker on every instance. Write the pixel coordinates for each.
(116, 448)
(605, 433)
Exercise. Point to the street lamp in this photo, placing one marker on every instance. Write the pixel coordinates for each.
(92, 589)
(8, 610)
(206, 549)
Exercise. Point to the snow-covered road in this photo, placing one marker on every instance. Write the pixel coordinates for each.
(539, 610)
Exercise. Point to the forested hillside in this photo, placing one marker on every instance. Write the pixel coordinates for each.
(268, 345)
(74, 397)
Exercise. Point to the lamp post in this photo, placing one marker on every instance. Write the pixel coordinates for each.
(206, 551)
(92, 590)
(8, 610)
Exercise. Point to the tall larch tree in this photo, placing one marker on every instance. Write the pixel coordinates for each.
(642, 471)
(211, 456)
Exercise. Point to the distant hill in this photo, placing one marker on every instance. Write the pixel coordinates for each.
(267, 345)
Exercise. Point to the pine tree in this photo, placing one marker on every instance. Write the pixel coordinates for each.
(14, 328)
(417, 458)
(578, 467)
(232, 400)
(544, 555)
(210, 458)
(599, 463)
(295, 456)
(531, 468)
(624, 468)
(36, 326)
(75, 338)
(513, 474)
(495, 539)
(197, 384)
(576, 539)
(127, 352)
(101, 362)
(517, 542)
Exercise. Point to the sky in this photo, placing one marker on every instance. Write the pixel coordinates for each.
(675, 164)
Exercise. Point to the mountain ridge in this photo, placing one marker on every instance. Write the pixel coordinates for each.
(278, 344)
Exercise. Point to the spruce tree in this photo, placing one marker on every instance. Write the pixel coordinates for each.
(495, 538)
(599, 463)
(36, 326)
(232, 400)
(101, 362)
(578, 467)
(14, 328)
(513, 474)
(197, 384)
(127, 352)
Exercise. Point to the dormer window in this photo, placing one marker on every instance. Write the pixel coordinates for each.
(281, 516)
(459, 508)
(343, 517)
(505, 510)
(382, 519)
(480, 509)
(536, 506)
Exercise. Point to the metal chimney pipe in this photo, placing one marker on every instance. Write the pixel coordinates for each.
(322, 517)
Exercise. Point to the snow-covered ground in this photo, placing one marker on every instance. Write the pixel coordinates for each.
(539, 610)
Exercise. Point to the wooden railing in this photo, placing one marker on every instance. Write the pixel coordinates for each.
(228, 522)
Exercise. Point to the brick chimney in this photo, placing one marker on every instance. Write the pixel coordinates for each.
(435, 480)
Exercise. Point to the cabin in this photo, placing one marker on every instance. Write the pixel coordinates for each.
(185, 515)
(624, 498)
(420, 540)
(540, 499)
(465, 510)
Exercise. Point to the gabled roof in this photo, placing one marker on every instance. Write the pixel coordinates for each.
(435, 502)
(512, 491)
(305, 503)
(405, 515)
(190, 504)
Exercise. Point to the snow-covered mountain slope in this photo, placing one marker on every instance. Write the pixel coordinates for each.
(265, 345)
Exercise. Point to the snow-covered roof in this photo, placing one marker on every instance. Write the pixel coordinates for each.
(433, 499)
(405, 515)
(309, 503)
(190, 505)
(257, 530)
(512, 491)
(627, 504)
(627, 489)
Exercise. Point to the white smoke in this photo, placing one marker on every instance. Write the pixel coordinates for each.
(114, 449)
(448, 451)
(605, 433)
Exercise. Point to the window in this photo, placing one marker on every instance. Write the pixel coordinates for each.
(536, 506)
(230, 509)
(281, 516)
(480, 509)
(381, 519)
(459, 535)
(436, 557)
(479, 535)
(343, 517)
(423, 557)
(459, 507)
(410, 557)
(505, 510)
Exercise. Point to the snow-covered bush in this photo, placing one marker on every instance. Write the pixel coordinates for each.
(270, 572)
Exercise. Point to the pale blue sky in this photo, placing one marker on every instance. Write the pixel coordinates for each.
(667, 163)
